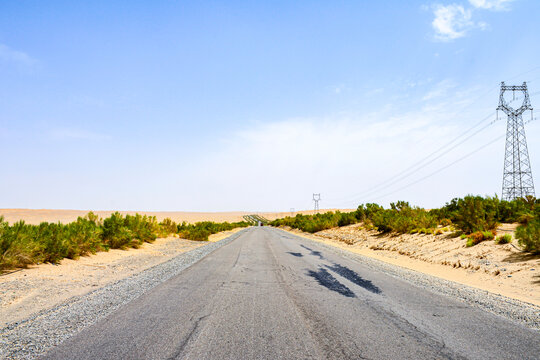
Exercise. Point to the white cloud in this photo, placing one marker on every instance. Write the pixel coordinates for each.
(279, 164)
(454, 21)
(451, 22)
(496, 5)
(440, 89)
(11, 55)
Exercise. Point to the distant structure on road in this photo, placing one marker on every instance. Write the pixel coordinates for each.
(316, 199)
(517, 176)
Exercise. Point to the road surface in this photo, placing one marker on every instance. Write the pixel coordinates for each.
(272, 295)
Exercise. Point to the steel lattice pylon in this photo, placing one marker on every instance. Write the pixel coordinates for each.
(316, 199)
(517, 176)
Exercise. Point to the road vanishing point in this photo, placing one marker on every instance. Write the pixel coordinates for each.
(273, 295)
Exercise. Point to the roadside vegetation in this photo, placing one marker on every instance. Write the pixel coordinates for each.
(476, 218)
(22, 244)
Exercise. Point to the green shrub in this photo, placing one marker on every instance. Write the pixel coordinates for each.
(504, 239)
(143, 228)
(319, 222)
(22, 244)
(474, 213)
(475, 238)
(84, 236)
(115, 233)
(529, 236)
(200, 231)
(402, 219)
(488, 235)
(167, 227)
(479, 236)
(445, 222)
(199, 234)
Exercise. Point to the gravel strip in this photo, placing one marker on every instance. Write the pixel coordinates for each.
(32, 337)
(519, 311)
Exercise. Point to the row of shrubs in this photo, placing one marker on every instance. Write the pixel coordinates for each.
(22, 244)
(474, 216)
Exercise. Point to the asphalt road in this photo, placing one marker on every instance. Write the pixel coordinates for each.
(272, 295)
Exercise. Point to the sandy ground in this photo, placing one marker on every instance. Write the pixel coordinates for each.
(36, 216)
(27, 291)
(500, 269)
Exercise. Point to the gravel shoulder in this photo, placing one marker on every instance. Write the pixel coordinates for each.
(28, 291)
(31, 336)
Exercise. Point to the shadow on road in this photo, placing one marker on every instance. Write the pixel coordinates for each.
(326, 279)
(295, 254)
(313, 252)
(354, 277)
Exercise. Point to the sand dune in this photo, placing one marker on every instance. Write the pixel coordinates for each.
(36, 216)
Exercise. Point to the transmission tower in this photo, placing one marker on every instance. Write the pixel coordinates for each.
(316, 199)
(517, 177)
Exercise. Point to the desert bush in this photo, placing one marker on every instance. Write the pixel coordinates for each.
(504, 239)
(346, 219)
(475, 238)
(167, 227)
(318, 222)
(473, 213)
(22, 244)
(84, 236)
(116, 234)
(16, 247)
(402, 218)
(529, 236)
(143, 228)
(200, 231)
(479, 236)
(445, 222)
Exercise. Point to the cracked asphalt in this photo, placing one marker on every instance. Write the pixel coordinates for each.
(272, 295)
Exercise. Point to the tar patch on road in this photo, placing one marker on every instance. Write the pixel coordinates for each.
(295, 254)
(313, 252)
(326, 279)
(354, 277)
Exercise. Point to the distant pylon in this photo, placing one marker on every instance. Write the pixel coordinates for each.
(517, 176)
(316, 199)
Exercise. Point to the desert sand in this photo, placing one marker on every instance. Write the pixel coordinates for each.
(501, 269)
(36, 216)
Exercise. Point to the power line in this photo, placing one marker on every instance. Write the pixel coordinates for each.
(422, 163)
(414, 168)
(442, 168)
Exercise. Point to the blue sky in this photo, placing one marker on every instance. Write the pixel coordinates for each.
(212, 106)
